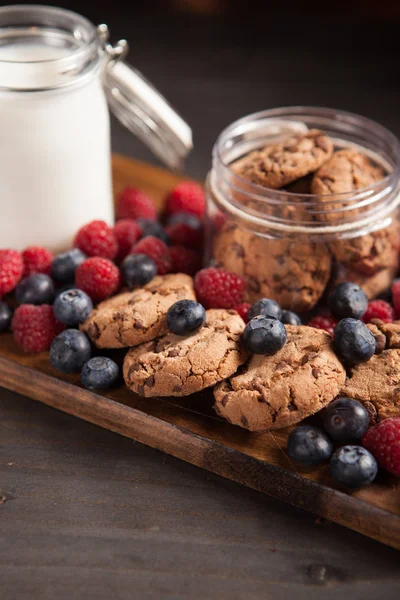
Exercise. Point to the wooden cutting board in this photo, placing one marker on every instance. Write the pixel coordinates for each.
(189, 429)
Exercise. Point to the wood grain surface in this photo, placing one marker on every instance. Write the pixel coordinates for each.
(189, 429)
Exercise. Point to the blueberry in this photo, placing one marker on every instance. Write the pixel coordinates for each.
(264, 335)
(346, 420)
(138, 269)
(153, 228)
(290, 318)
(185, 316)
(69, 351)
(265, 307)
(348, 300)
(5, 316)
(72, 307)
(309, 445)
(353, 466)
(353, 341)
(35, 289)
(64, 265)
(186, 218)
(100, 373)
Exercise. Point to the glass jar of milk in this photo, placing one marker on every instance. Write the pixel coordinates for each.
(58, 73)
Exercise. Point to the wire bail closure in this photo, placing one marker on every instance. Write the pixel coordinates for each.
(114, 53)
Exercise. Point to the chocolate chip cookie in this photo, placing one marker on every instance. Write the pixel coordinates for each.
(179, 366)
(371, 252)
(346, 171)
(271, 392)
(387, 335)
(377, 384)
(135, 317)
(279, 164)
(293, 272)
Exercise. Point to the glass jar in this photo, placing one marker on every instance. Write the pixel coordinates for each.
(292, 245)
(57, 74)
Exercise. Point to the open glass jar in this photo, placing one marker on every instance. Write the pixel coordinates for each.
(58, 74)
(292, 245)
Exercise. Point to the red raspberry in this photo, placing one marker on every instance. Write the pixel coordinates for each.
(325, 322)
(218, 220)
(182, 234)
(11, 270)
(135, 204)
(98, 277)
(383, 441)
(35, 327)
(155, 249)
(242, 309)
(97, 239)
(187, 196)
(216, 288)
(184, 260)
(379, 309)
(127, 233)
(37, 260)
(396, 296)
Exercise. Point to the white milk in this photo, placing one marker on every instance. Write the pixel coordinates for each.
(54, 150)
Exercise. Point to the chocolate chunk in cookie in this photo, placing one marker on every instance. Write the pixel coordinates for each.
(279, 164)
(178, 366)
(377, 382)
(135, 317)
(293, 272)
(272, 392)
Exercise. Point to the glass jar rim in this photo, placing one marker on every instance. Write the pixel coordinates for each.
(278, 211)
(286, 114)
(45, 23)
(38, 10)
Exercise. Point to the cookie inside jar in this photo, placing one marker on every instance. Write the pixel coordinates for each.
(300, 199)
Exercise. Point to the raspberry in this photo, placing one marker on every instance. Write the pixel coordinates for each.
(184, 260)
(98, 277)
(182, 234)
(216, 288)
(97, 239)
(379, 309)
(383, 441)
(11, 270)
(218, 220)
(37, 260)
(396, 296)
(325, 322)
(242, 309)
(127, 233)
(135, 204)
(35, 327)
(187, 196)
(155, 249)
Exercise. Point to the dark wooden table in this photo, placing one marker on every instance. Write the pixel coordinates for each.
(85, 513)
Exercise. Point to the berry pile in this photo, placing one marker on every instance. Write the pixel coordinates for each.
(345, 421)
(55, 292)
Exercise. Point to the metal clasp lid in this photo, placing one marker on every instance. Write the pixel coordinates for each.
(141, 108)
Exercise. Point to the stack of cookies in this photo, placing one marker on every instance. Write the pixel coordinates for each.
(318, 183)
(159, 362)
